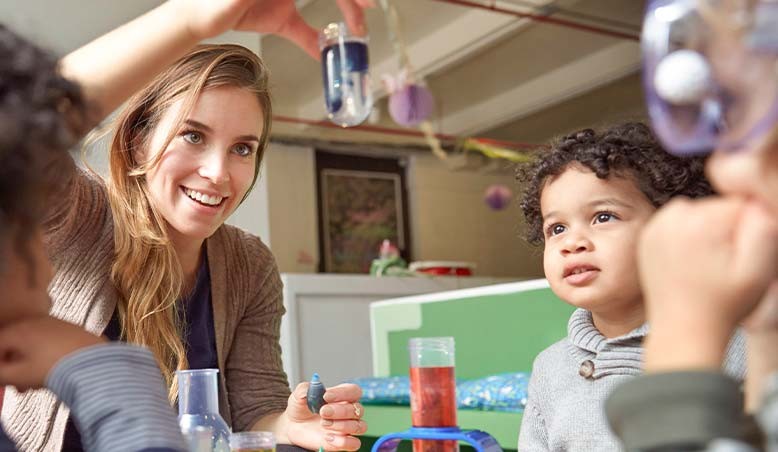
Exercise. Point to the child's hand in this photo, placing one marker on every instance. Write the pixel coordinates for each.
(704, 266)
(340, 418)
(761, 328)
(30, 348)
(765, 317)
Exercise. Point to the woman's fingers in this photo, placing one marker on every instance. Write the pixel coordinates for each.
(347, 392)
(349, 427)
(341, 442)
(354, 16)
(342, 410)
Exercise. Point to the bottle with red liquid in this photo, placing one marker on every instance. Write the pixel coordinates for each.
(433, 389)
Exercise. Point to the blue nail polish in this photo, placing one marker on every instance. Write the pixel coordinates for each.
(315, 396)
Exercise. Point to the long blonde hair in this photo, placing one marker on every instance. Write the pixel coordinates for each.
(147, 273)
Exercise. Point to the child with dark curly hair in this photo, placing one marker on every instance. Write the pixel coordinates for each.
(41, 115)
(586, 200)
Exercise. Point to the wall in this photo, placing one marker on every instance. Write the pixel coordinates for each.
(449, 220)
(291, 178)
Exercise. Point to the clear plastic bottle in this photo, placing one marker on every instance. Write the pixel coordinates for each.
(347, 93)
(198, 406)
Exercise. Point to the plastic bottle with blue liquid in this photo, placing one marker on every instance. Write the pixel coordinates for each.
(344, 58)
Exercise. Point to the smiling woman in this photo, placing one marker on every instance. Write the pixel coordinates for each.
(165, 144)
(146, 257)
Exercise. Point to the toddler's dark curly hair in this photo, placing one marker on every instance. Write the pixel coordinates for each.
(41, 116)
(626, 150)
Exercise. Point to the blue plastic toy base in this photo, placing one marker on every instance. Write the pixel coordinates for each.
(481, 441)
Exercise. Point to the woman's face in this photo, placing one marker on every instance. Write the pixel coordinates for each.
(209, 165)
(751, 172)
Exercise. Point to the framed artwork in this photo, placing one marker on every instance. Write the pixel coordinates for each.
(362, 201)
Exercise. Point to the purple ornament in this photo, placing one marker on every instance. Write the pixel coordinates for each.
(411, 104)
(498, 197)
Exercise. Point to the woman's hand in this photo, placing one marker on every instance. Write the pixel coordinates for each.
(116, 65)
(334, 428)
(208, 18)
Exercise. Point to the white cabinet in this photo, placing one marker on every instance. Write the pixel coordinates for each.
(326, 328)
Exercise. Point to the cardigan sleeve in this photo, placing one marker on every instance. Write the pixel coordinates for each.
(256, 381)
(76, 215)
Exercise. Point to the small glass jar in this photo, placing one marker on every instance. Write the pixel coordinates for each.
(198, 406)
(344, 58)
(253, 442)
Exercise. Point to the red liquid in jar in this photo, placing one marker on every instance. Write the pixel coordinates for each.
(433, 404)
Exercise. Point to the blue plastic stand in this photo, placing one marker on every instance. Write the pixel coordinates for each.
(481, 441)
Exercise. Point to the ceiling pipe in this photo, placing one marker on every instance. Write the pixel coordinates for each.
(546, 19)
(402, 132)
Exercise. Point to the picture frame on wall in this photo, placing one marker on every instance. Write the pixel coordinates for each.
(362, 201)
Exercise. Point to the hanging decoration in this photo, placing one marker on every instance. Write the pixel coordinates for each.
(409, 103)
(413, 102)
(493, 151)
(498, 197)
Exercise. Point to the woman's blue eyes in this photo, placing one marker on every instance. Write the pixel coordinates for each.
(193, 137)
(241, 149)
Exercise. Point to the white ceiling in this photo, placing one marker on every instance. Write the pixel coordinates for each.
(492, 74)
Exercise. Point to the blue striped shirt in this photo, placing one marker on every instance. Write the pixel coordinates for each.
(117, 398)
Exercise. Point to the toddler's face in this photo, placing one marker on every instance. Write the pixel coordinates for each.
(591, 228)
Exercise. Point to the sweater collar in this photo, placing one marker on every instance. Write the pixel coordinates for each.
(622, 355)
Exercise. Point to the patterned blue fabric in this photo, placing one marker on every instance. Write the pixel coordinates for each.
(503, 392)
(384, 391)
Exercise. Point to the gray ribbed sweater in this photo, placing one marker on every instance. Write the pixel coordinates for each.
(246, 293)
(571, 380)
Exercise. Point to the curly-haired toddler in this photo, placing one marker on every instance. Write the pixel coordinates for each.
(586, 200)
